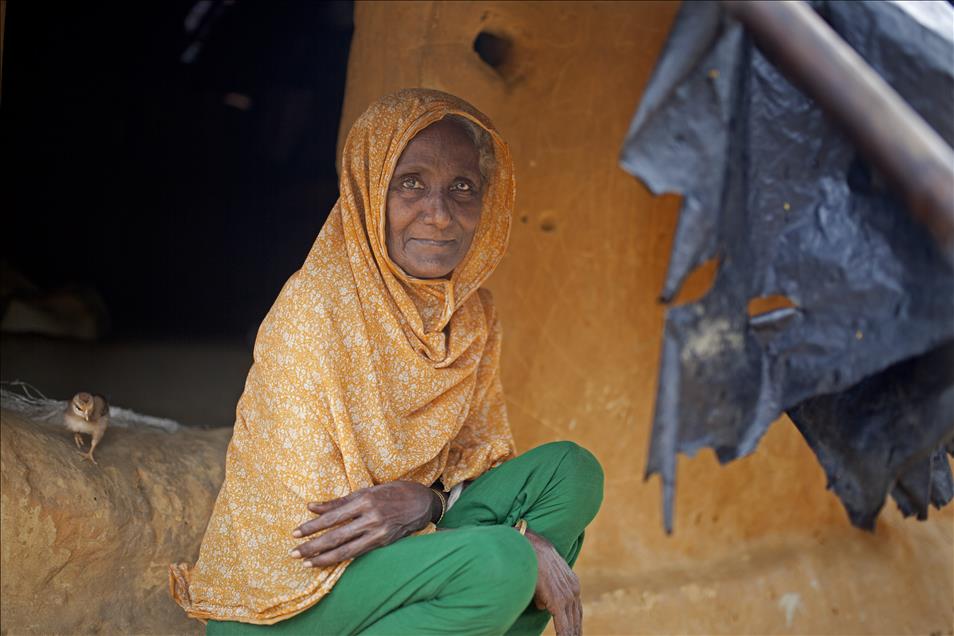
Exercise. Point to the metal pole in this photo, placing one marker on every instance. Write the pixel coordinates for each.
(890, 134)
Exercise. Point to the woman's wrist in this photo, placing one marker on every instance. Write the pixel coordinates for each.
(438, 505)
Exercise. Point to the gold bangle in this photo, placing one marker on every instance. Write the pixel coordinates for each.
(443, 499)
(521, 526)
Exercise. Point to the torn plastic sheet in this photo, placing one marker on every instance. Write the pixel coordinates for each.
(774, 190)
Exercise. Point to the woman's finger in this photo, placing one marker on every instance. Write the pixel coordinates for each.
(328, 541)
(570, 620)
(569, 595)
(342, 534)
(577, 612)
(561, 623)
(349, 510)
(344, 552)
(320, 507)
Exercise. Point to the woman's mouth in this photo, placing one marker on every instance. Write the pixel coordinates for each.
(434, 242)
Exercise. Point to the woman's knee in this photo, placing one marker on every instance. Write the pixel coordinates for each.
(506, 565)
(582, 460)
(580, 474)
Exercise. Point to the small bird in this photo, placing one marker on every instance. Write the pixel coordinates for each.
(87, 413)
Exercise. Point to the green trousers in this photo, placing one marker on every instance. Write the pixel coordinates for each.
(478, 578)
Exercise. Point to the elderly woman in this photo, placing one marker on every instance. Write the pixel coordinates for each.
(373, 415)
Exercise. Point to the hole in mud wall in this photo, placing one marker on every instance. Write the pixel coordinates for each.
(766, 304)
(494, 50)
(548, 223)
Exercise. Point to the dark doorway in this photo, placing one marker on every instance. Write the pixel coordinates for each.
(178, 157)
(175, 160)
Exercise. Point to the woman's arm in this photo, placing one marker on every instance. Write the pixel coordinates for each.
(366, 519)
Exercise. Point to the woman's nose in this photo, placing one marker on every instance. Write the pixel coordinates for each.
(437, 210)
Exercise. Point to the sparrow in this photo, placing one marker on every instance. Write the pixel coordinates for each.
(87, 413)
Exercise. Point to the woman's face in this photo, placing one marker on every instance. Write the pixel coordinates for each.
(434, 201)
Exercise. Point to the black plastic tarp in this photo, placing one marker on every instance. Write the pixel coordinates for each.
(861, 354)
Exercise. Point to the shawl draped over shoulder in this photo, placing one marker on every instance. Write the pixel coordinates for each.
(362, 375)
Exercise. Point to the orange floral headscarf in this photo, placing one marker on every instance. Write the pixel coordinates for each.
(362, 375)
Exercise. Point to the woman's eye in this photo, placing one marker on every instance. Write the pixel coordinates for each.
(410, 183)
(463, 186)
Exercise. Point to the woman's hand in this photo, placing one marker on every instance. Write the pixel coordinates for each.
(558, 589)
(366, 519)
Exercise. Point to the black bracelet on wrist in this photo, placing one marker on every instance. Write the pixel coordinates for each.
(443, 500)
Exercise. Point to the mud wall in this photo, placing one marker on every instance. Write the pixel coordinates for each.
(760, 546)
(85, 549)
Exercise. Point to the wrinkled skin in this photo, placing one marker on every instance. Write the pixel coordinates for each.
(558, 589)
(434, 201)
(366, 519)
(434, 206)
